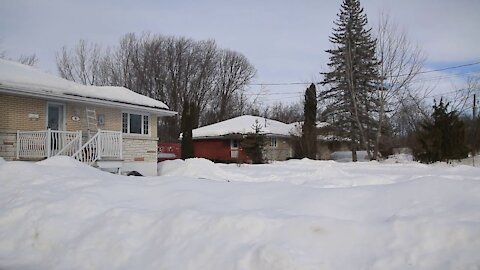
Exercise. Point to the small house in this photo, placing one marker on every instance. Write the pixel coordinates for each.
(222, 141)
(109, 127)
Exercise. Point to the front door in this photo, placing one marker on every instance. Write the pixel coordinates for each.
(55, 114)
(234, 149)
(55, 121)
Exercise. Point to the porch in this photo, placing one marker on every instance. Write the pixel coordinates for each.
(105, 145)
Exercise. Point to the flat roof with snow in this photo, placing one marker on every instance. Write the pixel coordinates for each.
(24, 80)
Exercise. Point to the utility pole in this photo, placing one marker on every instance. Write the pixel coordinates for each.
(474, 118)
(474, 106)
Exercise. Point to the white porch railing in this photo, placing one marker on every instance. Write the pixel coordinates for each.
(47, 143)
(104, 144)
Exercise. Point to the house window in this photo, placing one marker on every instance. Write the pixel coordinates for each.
(234, 144)
(125, 122)
(101, 120)
(273, 142)
(145, 124)
(135, 123)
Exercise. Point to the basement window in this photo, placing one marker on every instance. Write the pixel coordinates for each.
(135, 123)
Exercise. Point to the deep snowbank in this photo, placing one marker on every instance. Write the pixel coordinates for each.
(62, 215)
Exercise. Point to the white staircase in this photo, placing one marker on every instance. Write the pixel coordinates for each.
(103, 149)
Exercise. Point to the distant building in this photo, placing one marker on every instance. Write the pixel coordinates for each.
(222, 141)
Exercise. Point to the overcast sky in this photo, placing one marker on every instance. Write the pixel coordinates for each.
(284, 40)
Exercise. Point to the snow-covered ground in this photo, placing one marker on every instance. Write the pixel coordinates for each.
(299, 214)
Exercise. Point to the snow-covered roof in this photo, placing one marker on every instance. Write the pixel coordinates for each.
(242, 125)
(321, 124)
(296, 127)
(32, 81)
(331, 138)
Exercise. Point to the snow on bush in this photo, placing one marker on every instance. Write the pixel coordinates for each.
(300, 214)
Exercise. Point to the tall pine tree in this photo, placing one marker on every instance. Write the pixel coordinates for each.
(352, 76)
(188, 122)
(309, 138)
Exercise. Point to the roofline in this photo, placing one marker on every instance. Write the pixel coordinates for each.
(88, 100)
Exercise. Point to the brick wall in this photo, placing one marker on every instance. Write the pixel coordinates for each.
(282, 151)
(8, 145)
(216, 149)
(14, 111)
(112, 117)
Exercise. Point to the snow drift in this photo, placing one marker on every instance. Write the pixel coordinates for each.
(299, 214)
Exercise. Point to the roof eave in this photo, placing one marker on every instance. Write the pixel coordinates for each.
(237, 135)
(87, 100)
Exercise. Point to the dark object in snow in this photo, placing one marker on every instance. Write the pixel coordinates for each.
(134, 173)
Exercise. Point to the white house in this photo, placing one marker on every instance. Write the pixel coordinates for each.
(42, 116)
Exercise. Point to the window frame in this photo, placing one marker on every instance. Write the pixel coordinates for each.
(273, 142)
(233, 142)
(63, 115)
(142, 123)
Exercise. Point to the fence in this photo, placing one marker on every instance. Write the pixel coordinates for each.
(47, 143)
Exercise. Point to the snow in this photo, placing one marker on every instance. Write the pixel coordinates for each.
(298, 214)
(296, 127)
(20, 76)
(331, 138)
(346, 156)
(242, 125)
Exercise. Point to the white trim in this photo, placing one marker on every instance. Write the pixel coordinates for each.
(273, 142)
(141, 124)
(61, 126)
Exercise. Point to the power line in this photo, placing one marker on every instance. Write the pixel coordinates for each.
(442, 69)
(456, 91)
(400, 75)
(445, 76)
(286, 83)
(274, 93)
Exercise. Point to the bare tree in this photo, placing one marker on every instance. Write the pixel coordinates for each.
(287, 113)
(80, 64)
(30, 59)
(176, 70)
(461, 99)
(400, 62)
(234, 73)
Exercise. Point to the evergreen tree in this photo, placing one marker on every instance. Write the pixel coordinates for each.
(352, 76)
(187, 123)
(254, 143)
(309, 140)
(442, 138)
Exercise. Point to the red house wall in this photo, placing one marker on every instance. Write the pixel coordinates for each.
(217, 150)
(167, 151)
